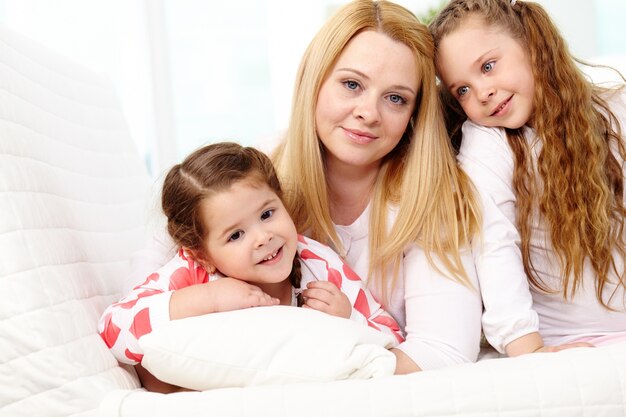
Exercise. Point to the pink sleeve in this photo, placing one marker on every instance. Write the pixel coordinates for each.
(324, 264)
(146, 307)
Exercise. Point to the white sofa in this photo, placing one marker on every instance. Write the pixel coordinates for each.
(72, 202)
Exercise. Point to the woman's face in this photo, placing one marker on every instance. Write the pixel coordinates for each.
(366, 102)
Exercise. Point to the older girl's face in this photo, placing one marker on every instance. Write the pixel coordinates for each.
(489, 73)
(366, 102)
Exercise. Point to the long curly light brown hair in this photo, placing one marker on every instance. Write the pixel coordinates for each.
(580, 192)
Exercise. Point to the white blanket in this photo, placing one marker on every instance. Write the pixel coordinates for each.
(575, 383)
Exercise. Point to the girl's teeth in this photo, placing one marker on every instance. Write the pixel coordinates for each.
(270, 256)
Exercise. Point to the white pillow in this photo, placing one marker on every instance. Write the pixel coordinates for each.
(265, 345)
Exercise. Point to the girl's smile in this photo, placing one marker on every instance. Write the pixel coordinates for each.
(489, 73)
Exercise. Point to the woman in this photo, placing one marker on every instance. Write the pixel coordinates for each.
(367, 168)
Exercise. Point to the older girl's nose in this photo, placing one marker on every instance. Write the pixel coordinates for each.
(486, 93)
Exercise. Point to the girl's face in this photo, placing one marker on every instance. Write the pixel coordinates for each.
(250, 234)
(366, 102)
(489, 73)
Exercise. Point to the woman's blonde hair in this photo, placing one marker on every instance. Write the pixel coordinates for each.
(436, 206)
(581, 196)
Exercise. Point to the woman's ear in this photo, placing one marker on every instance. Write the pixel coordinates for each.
(203, 259)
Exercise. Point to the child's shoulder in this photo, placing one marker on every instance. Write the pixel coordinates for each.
(306, 243)
(615, 98)
(478, 139)
(472, 130)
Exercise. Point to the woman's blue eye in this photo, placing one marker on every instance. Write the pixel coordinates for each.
(235, 236)
(462, 91)
(351, 85)
(396, 99)
(488, 66)
(267, 214)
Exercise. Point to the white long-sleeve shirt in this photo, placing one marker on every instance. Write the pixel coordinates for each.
(487, 158)
(441, 318)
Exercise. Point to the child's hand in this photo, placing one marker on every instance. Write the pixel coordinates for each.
(228, 294)
(564, 347)
(325, 296)
(225, 294)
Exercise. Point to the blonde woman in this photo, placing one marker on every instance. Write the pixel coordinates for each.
(368, 169)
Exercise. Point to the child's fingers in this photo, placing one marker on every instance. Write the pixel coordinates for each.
(324, 285)
(316, 304)
(318, 294)
(258, 299)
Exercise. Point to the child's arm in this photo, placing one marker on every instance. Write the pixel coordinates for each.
(509, 321)
(323, 264)
(179, 289)
(145, 307)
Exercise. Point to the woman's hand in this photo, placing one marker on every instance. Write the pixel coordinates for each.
(326, 297)
(225, 294)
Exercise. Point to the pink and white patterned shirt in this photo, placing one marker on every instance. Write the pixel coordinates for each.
(146, 307)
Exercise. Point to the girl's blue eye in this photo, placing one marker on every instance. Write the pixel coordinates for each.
(267, 214)
(462, 91)
(396, 99)
(489, 66)
(235, 236)
(351, 85)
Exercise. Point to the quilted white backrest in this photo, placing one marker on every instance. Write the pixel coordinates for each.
(72, 191)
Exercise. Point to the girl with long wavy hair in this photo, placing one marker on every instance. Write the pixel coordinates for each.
(547, 146)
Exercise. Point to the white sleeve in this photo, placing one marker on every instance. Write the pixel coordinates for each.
(508, 313)
(442, 315)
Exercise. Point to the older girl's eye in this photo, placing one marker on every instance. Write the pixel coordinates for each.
(489, 66)
(461, 91)
(235, 236)
(267, 214)
(397, 99)
(351, 85)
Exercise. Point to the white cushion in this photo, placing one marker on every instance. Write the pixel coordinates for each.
(71, 203)
(264, 346)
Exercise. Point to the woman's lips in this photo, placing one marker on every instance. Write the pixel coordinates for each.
(359, 136)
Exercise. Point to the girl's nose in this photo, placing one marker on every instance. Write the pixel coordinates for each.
(263, 237)
(486, 93)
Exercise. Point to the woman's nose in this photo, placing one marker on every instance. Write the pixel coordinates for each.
(366, 109)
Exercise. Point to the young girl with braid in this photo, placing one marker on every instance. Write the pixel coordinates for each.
(547, 146)
(224, 210)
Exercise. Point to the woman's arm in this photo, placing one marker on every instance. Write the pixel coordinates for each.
(443, 317)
